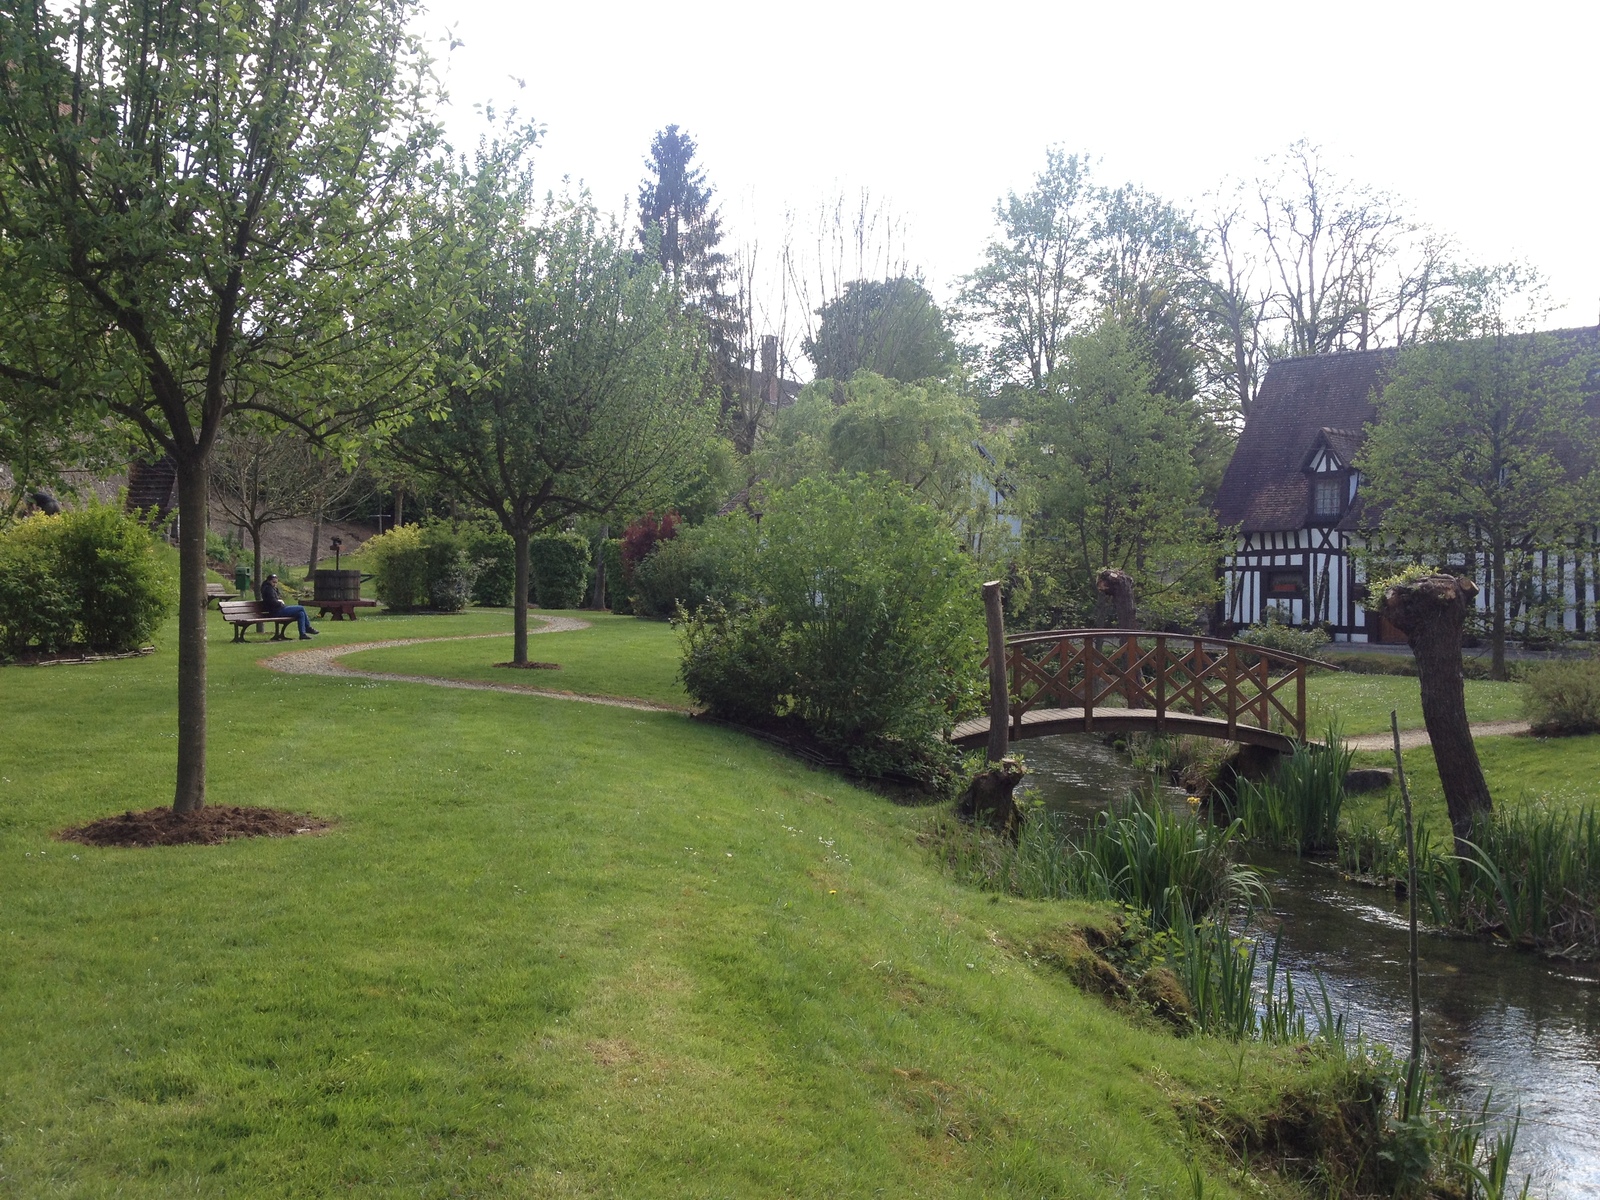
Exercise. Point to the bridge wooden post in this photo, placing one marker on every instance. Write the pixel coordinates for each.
(1161, 684)
(999, 702)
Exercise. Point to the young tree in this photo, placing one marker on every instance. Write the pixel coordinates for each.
(261, 475)
(578, 392)
(1483, 447)
(213, 204)
(1112, 478)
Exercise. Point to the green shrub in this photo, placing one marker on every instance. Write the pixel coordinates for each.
(92, 576)
(713, 561)
(422, 566)
(559, 565)
(399, 567)
(878, 613)
(38, 611)
(496, 555)
(1563, 697)
(1275, 632)
(736, 662)
(616, 577)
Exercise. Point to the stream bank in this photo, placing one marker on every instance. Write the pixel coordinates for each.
(1513, 1027)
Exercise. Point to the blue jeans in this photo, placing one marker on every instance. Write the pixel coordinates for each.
(297, 610)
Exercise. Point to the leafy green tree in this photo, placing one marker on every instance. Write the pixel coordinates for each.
(1113, 483)
(924, 436)
(1483, 447)
(1029, 295)
(207, 210)
(890, 327)
(578, 392)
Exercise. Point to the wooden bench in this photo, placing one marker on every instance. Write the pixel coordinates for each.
(243, 613)
(340, 608)
(218, 591)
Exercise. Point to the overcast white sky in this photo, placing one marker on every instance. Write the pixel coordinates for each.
(1482, 117)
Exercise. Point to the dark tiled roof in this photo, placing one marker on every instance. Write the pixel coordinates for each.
(150, 485)
(1329, 398)
(1264, 486)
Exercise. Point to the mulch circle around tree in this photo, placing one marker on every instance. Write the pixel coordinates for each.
(531, 666)
(211, 826)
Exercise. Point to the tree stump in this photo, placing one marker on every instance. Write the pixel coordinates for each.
(1431, 612)
(989, 798)
(1117, 587)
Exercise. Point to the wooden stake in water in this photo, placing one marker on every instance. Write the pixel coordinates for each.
(1414, 1066)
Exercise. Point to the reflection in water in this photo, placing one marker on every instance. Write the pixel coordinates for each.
(1499, 1021)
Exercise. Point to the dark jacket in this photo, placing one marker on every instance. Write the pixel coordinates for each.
(271, 598)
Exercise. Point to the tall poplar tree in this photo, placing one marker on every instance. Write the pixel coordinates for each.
(209, 209)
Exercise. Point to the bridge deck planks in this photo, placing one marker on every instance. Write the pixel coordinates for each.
(1043, 722)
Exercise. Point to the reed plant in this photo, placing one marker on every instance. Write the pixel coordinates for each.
(1174, 866)
(1298, 809)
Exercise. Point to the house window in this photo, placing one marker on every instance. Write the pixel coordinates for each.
(1328, 500)
(1285, 585)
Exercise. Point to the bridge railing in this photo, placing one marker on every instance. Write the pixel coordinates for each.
(1091, 669)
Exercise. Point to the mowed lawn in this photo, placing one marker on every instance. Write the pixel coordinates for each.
(548, 949)
(1361, 703)
(615, 656)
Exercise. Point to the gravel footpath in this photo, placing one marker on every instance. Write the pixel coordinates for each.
(1410, 739)
(324, 660)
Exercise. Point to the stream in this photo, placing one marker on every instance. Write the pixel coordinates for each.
(1504, 1024)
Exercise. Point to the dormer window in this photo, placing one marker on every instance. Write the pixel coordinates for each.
(1328, 497)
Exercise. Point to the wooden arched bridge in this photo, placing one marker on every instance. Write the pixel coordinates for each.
(1138, 681)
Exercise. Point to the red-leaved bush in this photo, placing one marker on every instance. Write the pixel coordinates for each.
(641, 537)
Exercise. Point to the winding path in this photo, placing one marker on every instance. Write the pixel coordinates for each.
(1410, 739)
(324, 660)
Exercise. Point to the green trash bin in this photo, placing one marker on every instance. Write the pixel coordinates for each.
(241, 581)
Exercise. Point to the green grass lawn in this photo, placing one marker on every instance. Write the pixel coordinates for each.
(616, 656)
(1361, 703)
(548, 949)
(1563, 773)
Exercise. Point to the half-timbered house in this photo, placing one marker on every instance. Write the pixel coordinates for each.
(1293, 494)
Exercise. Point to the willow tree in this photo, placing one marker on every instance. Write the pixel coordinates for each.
(209, 207)
(578, 389)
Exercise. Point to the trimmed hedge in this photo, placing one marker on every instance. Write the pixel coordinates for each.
(559, 565)
(422, 566)
(93, 577)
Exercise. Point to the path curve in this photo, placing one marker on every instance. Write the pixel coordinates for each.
(324, 660)
(1410, 739)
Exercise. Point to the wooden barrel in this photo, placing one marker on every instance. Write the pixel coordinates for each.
(337, 585)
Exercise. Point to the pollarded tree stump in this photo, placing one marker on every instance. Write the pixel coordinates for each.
(990, 800)
(1432, 611)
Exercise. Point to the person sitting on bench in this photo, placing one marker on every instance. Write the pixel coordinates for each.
(277, 608)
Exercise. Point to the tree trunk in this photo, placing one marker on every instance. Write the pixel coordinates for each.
(190, 793)
(1431, 612)
(1117, 586)
(1497, 606)
(399, 507)
(598, 599)
(316, 537)
(255, 546)
(519, 600)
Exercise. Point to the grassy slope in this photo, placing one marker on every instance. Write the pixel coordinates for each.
(1362, 702)
(616, 656)
(550, 949)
